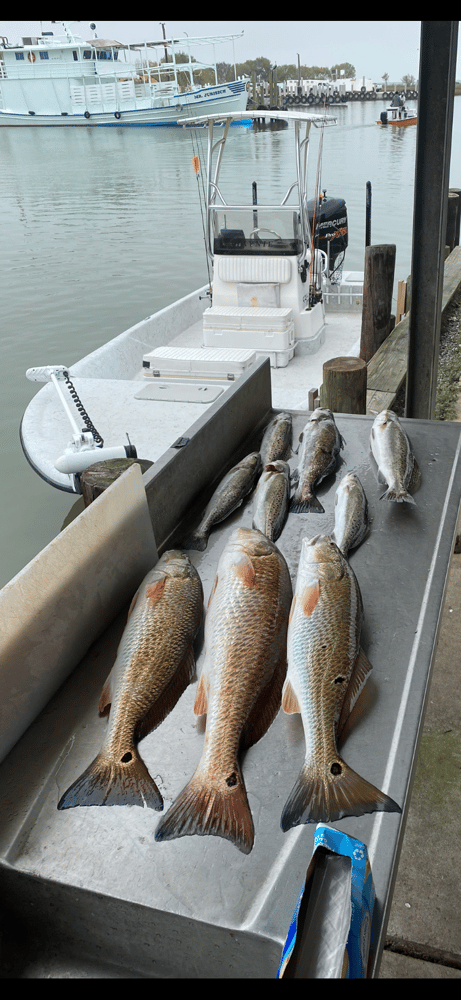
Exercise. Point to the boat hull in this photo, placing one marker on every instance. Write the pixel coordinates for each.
(226, 98)
(400, 123)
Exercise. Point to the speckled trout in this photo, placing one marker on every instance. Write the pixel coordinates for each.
(277, 439)
(272, 498)
(154, 664)
(230, 493)
(320, 446)
(351, 513)
(326, 673)
(239, 689)
(392, 451)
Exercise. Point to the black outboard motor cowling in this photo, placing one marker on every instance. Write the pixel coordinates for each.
(330, 226)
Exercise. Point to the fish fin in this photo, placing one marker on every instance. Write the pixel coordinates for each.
(196, 541)
(201, 698)
(290, 702)
(168, 698)
(360, 674)
(342, 442)
(294, 477)
(319, 798)
(105, 700)
(245, 570)
(205, 808)
(309, 598)
(306, 506)
(154, 593)
(398, 496)
(107, 782)
(265, 708)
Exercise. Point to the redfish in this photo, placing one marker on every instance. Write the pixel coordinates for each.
(239, 689)
(154, 664)
(326, 673)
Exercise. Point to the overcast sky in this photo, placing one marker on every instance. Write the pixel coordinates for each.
(373, 47)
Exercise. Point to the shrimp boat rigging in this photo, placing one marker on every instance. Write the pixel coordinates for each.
(276, 291)
(67, 81)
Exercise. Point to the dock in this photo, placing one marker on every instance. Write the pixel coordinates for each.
(387, 368)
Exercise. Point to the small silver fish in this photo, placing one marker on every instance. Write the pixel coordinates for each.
(230, 493)
(326, 672)
(351, 513)
(154, 664)
(277, 440)
(271, 499)
(321, 444)
(392, 451)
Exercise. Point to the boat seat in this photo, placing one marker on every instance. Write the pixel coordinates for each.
(247, 318)
(261, 270)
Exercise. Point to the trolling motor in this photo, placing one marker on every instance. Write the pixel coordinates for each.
(87, 445)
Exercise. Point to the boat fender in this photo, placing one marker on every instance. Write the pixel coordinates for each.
(117, 114)
(87, 114)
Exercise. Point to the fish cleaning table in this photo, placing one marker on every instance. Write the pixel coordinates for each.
(89, 890)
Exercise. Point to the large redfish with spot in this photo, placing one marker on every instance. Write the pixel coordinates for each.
(154, 664)
(239, 689)
(326, 673)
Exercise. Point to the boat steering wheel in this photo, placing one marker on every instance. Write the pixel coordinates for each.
(263, 229)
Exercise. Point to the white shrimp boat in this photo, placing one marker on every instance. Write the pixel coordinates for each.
(68, 81)
(271, 295)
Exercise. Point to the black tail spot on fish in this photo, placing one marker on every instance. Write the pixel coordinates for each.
(127, 757)
(336, 769)
(231, 780)
(339, 680)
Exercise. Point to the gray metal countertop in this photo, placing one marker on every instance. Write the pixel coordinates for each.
(196, 906)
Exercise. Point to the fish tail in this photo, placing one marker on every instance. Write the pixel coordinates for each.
(317, 798)
(216, 810)
(197, 540)
(108, 782)
(310, 504)
(398, 496)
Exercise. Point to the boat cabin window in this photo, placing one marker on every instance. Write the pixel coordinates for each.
(257, 230)
(19, 55)
(44, 55)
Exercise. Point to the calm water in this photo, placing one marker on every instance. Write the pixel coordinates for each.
(102, 227)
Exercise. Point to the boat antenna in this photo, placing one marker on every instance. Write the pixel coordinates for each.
(201, 190)
(312, 298)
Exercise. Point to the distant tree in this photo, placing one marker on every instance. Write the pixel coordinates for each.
(385, 77)
(408, 81)
(225, 72)
(261, 66)
(343, 69)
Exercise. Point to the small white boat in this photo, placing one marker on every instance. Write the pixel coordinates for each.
(276, 291)
(398, 114)
(68, 81)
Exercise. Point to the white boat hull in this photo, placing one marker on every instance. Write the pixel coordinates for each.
(223, 99)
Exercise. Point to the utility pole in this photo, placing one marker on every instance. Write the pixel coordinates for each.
(437, 70)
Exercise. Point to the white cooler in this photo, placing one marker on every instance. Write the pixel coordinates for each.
(266, 330)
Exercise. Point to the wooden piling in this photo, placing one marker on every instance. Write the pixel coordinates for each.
(452, 234)
(96, 479)
(344, 387)
(377, 297)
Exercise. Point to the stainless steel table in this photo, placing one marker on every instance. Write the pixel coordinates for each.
(90, 890)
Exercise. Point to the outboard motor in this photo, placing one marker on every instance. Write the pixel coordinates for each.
(383, 117)
(330, 229)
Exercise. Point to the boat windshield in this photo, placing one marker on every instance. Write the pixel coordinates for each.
(272, 231)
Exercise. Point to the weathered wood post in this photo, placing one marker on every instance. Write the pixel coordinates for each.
(452, 233)
(96, 479)
(344, 387)
(377, 297)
